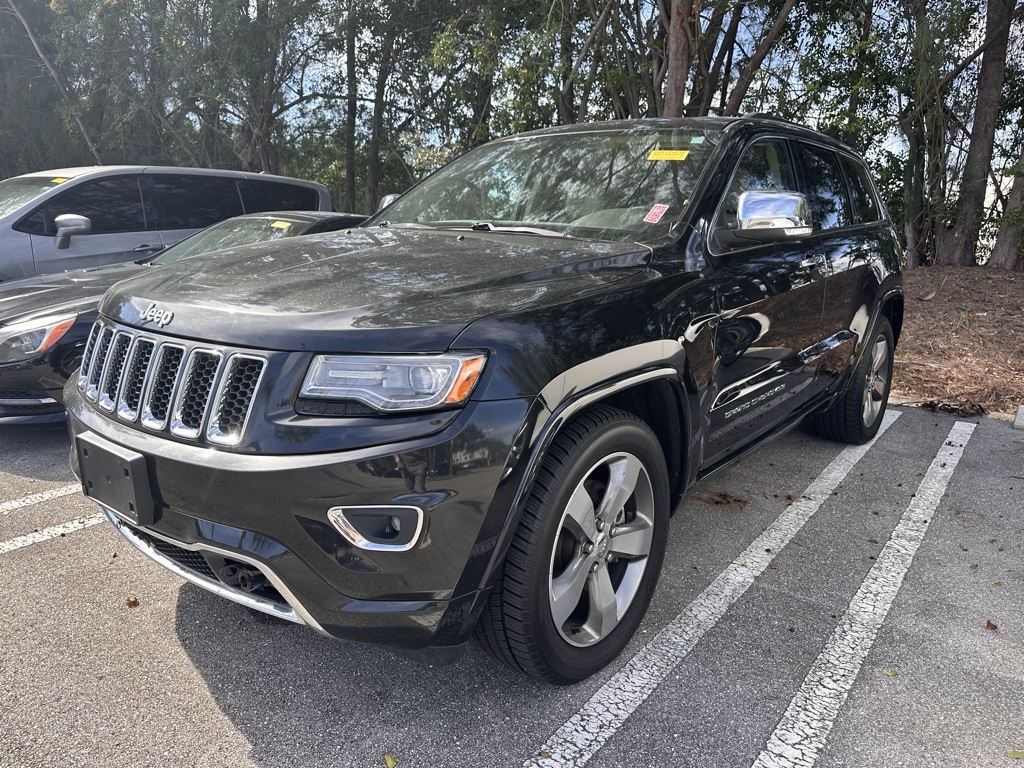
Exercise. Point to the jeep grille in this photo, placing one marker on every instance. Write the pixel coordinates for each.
(191, 391)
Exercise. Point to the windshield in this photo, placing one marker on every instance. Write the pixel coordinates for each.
(14, 193)
(615, 185)
(234, 232)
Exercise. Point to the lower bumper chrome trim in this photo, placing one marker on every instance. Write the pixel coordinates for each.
(294, 612)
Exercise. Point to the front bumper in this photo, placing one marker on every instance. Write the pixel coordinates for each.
(29, 407)
(217, 509)
(32, 391)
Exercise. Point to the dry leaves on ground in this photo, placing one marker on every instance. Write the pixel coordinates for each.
(962, 346)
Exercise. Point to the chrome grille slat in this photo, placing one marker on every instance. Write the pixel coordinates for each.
(194, 394)
(135, 377)
(167, 370)
(234, 399)
(166, 385)
(83, 372)
(98, 363)
(111, 379)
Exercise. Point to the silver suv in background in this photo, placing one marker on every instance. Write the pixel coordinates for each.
(73, 218)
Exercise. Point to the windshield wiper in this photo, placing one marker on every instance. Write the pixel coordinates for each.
(404, 225)
(486, 226)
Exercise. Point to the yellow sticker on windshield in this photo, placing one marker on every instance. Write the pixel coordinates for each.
(281, 224)
(668, 154)
(58, 180)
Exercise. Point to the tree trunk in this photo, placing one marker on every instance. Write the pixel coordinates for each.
(349, 203)
(746, 77)
(958, 244)
(705, 46)
(1008, 252)
(680, 53)
(913, 190)
(566, 94)
(373, 163)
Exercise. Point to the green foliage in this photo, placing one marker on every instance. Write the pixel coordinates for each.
(262, 84)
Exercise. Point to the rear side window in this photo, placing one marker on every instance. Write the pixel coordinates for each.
(193, 202)
(765, 165)
(826, 187)
(865, 207)
(277, 196)
(112, 205)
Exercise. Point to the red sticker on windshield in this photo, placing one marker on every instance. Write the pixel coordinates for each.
(654, 215)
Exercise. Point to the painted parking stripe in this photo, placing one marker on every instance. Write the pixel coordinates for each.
(587, 731)
(807, 722)
(26, 501)
(50, 533)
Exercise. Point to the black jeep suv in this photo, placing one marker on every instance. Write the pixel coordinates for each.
(476, 412)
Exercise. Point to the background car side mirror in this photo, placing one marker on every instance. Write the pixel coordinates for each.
(767, 216)
(69, 224)
(387, 200)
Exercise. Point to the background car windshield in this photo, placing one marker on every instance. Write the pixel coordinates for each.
(621, 185)
(231, 233)
(14, 193)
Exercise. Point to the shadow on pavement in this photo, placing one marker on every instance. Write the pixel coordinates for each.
(303, 699)
(39, 452)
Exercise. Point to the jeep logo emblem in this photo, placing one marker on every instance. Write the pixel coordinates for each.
(159, 316)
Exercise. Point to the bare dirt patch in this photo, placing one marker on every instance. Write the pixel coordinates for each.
(962, 346)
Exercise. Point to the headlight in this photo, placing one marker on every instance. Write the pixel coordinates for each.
(395, 382)
(22, 341)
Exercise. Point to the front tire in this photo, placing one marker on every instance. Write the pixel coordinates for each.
(856, 416)
(585, 559)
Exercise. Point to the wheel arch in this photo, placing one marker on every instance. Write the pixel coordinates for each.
(640, 393)
(893, 310)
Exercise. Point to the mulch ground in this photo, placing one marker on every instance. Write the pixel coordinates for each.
(962, 346)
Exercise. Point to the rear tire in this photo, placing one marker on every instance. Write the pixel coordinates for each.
(585, 558)
(856, 416)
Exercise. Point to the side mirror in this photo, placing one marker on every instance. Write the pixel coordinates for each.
(767, 216)
(387, 200)
(69, 224)
(765, 209)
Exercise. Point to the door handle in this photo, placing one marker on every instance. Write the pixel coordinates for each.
(819, 260)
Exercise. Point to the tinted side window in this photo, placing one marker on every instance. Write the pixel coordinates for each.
(825, 187)
(277, 196)
(192, 202)
(865, 208)
(765, 165)
(113, 205)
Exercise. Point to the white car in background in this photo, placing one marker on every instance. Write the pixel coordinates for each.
(73, 218)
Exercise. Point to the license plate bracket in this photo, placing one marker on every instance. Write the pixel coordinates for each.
(116, 477)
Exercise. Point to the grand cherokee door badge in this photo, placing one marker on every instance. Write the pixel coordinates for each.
(759, 399)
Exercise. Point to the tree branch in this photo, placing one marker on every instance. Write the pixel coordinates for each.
(65, 94)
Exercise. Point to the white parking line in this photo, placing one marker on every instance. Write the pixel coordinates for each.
(807, 722)
(50, 533)
(26, 501)
(587, 731)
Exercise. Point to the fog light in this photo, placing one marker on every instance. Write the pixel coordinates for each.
(378, 528)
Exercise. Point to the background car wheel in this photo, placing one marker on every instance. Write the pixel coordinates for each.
(585, 558)
(856, 416)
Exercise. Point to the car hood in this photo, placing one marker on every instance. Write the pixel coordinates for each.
(76, 291)
(366, 289)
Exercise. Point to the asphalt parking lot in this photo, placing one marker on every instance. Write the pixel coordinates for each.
(819, 605)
